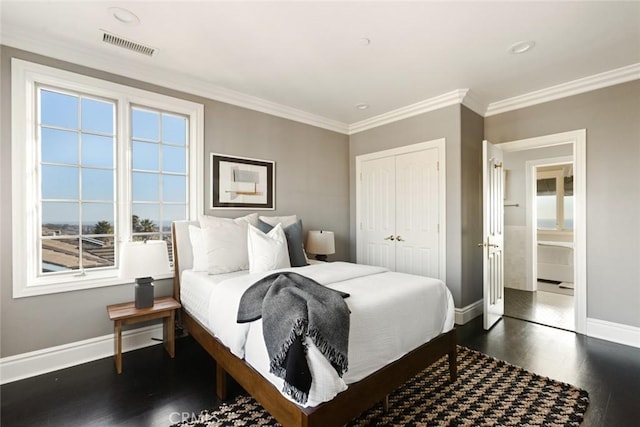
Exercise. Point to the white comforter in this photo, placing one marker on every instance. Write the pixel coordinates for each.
(391, 314)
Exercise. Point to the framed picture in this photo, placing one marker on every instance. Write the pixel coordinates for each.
(241, 183)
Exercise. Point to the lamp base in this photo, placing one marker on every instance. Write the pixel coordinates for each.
(322, 258)
(144, 295)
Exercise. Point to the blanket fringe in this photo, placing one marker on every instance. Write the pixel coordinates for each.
(296, 394)
(337, 359)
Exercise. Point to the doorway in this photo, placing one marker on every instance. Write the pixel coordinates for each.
(549, 298)
(539, 245)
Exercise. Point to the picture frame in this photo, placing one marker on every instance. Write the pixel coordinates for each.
(241, 183)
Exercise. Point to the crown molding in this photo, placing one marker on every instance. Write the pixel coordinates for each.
(184, 82)
(150, 73)
(475, 103)
(575, 87)
(450, 98)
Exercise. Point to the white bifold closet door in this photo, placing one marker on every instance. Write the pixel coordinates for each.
(399, 212)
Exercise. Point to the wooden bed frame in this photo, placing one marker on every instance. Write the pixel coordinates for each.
(357, 398)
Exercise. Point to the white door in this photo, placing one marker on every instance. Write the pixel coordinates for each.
(417, 209)
(378, 217)
(400, 208)
(493, 234)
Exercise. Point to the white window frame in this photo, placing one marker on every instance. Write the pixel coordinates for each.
(559, 178)
(25, 77)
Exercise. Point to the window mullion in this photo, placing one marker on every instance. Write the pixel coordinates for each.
(34, 183)
(80, 210)
(123, 171)
(160, 177)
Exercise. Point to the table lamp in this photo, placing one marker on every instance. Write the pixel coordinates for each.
(141, 261)
(321, 243)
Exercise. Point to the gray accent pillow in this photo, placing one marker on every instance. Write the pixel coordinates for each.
(294, 237)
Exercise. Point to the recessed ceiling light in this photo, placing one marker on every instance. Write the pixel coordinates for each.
(124, 16)
(521, 47)
(362, 106)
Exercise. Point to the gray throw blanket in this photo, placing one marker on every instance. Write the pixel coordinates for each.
(293, 307)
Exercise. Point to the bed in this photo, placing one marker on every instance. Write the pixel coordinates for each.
(209, 301)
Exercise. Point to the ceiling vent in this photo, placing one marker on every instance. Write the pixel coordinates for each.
(127, 44)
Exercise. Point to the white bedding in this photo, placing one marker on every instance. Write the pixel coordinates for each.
(391, 314)
(197, 293)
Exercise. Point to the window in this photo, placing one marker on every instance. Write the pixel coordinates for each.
(554, 198)
(158, 172)
(76, 141)
(94, 163)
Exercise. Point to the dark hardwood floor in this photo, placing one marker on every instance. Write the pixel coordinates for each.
(154, 390)
(546, 308)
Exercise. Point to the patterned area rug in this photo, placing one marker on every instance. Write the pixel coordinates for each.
(488, 392)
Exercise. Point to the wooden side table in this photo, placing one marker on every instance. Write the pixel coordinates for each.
(127, 314)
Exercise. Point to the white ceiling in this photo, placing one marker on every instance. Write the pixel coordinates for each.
(308, 57)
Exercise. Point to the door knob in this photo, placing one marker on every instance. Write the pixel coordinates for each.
(491, 245)
(389, 237)
(399, 239)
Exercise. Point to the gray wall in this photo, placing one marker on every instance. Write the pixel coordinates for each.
(442, 123)
(311, 179)
(472, 134)
(611, 117)
(312, 166)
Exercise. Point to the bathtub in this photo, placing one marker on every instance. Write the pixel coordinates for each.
(555, 261)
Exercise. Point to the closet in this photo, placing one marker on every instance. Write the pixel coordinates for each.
(399, 209)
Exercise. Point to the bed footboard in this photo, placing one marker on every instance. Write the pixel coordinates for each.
(345, 406)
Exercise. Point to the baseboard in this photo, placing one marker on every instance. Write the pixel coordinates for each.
(615, 332)
(468, 313)
(25, 365)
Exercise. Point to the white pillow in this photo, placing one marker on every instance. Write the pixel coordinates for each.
(200, 262)
(233, 254)
(225, 247)
(207, 221)
(275, 220)
(267, 251)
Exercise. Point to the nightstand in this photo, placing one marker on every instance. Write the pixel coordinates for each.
(127, 314)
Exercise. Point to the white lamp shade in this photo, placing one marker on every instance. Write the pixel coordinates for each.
(144, 259)
(321, 242)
